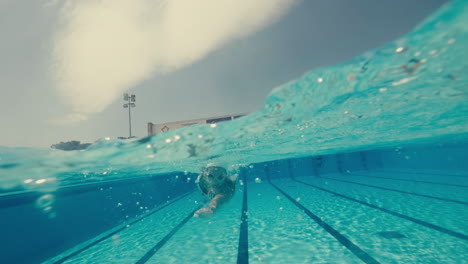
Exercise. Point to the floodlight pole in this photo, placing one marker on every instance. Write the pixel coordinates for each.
(129, 119)
(129, 98)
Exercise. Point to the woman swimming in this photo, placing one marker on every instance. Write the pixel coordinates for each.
(214, 182)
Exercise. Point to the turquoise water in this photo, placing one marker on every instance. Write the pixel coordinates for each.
(403, 106)
(413, 89)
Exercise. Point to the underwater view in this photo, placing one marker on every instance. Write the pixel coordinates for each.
(361, 162)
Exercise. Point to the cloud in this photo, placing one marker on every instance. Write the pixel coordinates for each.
(105, 47)
(68, 119)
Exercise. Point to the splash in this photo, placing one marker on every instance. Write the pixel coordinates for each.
(413, 90)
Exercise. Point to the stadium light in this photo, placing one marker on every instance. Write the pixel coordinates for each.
(130, 103)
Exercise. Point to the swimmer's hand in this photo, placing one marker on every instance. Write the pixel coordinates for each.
(234, 177)
(204, 213)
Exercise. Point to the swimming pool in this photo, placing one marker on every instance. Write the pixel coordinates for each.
(363, 162)
(363, 207)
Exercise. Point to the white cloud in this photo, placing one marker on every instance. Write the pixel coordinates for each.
(68, 119)
(107, 46)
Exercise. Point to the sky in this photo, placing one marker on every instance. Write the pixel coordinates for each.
(65, 64)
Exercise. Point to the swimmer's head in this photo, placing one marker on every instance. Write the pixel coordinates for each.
(214, 174)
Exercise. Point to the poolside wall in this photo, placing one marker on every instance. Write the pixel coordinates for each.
(451, 158)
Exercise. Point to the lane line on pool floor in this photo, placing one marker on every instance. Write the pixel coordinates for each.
(400, 191)
(124, 226)
(396, 179)
(166, 238)
(356, 250)
(414, 220)
(243, 249)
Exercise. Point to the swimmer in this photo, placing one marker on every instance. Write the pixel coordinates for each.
(214, 182)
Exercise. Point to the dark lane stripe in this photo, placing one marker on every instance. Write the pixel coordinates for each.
(339, 163)
(163, 241)
(423, 173)
(361, 254)
(364, 160)
(314, 166)
(243, 249)
(397, 179)
(394, 190)
(118, 230)
(414, 220)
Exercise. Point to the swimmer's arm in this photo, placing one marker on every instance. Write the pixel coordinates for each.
(218, 200)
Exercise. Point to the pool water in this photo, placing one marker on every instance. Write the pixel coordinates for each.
(363, 162)
(385, 206)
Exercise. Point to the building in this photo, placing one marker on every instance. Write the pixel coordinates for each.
(164, 127)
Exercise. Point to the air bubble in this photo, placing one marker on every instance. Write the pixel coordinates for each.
(45, 203)
(115, 240)
(45, 200)
(399, 49)
(412, 65)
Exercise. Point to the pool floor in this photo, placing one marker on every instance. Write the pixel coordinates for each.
(379, 216)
